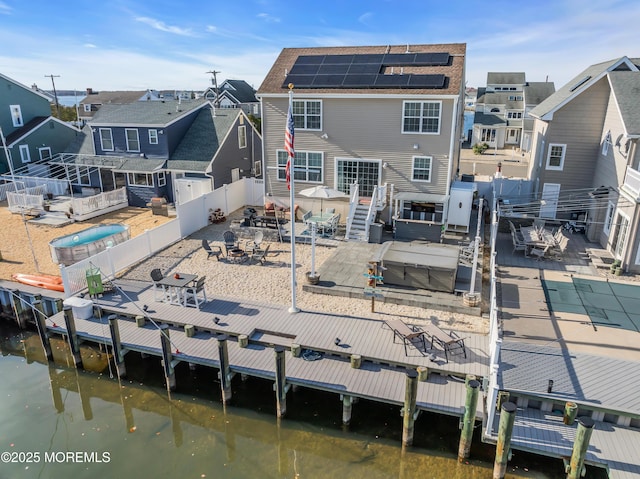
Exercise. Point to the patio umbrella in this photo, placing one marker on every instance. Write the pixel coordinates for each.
(323, 192)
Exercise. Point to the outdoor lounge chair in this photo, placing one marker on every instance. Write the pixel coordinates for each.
(254, 244)
(450, 342)
(230, 241)
(409, 335)
(260, 255)
(195, 295)
(215, 251)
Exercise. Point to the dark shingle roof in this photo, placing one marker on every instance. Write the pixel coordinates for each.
(115, 97)
(157, 113)
(488, 119)
(32, 124)
(83, 143)
(273, 82)
(626, 88)
(241, 91)
(201, 142)
(502, 78)
(537, 92)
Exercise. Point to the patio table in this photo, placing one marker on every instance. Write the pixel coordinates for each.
(175, 284)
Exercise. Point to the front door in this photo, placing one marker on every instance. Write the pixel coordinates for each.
(549, 200)
(364, 172)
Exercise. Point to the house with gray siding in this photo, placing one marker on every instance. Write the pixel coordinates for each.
(156, 148)
(29, 131)
(385, 118)
(502, 110)
(584, 162)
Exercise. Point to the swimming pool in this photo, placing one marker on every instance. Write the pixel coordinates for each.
(72, 248)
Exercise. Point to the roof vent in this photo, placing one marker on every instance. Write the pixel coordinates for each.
(580, 83)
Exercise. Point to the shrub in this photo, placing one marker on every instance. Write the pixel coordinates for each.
(480, 148)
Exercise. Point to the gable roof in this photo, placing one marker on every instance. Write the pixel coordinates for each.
(31, 126)
(240, 90)
(578, 84)
(273, 83)
(508, 78)
(537, 92)
(146, 113)
(35, 92)
(203, 139)
(626, 90)
(117, 97)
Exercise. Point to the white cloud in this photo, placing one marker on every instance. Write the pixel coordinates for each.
(268, 18)
(90, 45)
(365, 18)
(5, 9)
(163, 27)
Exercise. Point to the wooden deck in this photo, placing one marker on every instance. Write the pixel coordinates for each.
(382, 376)
(544, 433)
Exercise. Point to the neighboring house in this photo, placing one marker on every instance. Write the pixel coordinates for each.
(235, 94)
(585, 162)
(502, 119)
(154, 148)
(470, 98)
(388, 118)
(30, 132)
(90, 104)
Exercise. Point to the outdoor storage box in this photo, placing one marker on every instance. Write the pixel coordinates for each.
(82, 308)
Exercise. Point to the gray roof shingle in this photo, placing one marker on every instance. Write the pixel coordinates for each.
(626, 87)
(158, 113)
(536, 92)
(502, 78)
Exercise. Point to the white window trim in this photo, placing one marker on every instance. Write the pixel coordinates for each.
(162, 178)
(626, 217)
(305, 115)
(126, 137)
(564, 153)
(131, 179)
(153, 137)
(608, 218)
(413, 166)
(338, 159)
(87, 107)
(402, 130)
(100, 130)
(44, 148)
(25, 155)
(19, 120)
(242, 136)
(322, 166)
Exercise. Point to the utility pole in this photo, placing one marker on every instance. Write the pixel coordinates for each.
(55, 94)
(214, 82)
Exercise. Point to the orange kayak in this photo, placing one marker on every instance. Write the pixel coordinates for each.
(46, 281)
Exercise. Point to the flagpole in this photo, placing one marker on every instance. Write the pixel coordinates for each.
(292, 211)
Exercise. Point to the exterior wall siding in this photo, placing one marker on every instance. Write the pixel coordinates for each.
(31, 105)
(361, 129)
(51, 134)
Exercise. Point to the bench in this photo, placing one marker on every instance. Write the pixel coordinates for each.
(409, 335)
(451, 343)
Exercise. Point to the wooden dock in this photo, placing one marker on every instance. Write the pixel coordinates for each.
(381, 376)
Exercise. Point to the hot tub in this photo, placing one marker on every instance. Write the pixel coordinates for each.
(75, 247)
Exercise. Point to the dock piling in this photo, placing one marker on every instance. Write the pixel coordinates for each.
(41, 319)
(347, 407)
(118, 355)
(580, 446)
(19, 309)
(469, 421)
(281, 391)
(409, 416)
(169, 372)
(225, 373)
(74, 345)
(505, 429)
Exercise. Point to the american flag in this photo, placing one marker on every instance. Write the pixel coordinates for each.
(288, 145)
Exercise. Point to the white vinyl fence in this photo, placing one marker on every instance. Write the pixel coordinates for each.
(26, 199)
(101, 201)
(191, 217)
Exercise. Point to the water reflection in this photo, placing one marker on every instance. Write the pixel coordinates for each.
(148, 433)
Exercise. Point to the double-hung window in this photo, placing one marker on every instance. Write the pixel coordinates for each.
(307, 166)
(242, 136)
(133, 142)
(421, 170)
(153, 137)
(421, 117)
(555, 158)
(106, 139)
(307, 114)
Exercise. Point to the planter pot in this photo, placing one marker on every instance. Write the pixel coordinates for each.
(315, 279)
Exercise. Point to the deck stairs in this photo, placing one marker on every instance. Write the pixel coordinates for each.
(363, 211)
(359, 230)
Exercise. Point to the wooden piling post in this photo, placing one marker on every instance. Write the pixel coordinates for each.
(505, 429)
(118, 355)
(225, 372)
(469, 421)
(347, 407)
(410, 396)
(74, 346)
(42, 329)
(580, 446)
(167, 357)
(281, 390)
(19, 309)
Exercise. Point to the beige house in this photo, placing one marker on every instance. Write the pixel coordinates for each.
(385, 118)
(584, 162)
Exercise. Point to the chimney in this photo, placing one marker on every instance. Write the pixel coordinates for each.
(89, 91)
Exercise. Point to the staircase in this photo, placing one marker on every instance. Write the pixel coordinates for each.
(358, 231)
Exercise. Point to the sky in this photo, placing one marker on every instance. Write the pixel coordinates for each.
(170, 44)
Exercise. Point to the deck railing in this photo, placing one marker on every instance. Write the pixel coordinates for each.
(353, 203)
(101, 201)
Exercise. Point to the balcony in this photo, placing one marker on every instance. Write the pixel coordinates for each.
(632, 182)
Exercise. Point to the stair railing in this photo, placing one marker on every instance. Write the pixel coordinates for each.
(353, 203)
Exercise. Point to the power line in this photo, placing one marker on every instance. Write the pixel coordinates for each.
(55, 93)
(214, 82)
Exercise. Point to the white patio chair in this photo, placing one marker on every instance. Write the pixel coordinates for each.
(195, 295)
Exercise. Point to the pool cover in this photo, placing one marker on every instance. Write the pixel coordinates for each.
(607, 304)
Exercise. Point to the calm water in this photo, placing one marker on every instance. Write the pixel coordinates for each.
(136, 430)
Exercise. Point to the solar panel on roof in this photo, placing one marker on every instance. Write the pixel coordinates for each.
(333, 69)
(431, 59)
(309, 59)
(368, 58)
(426, 81)
(356, 68)
(304, 69)
(300, 81)
(398, 59)
(391, 81)
(327, 81)
(335, 59)
(359, 81)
